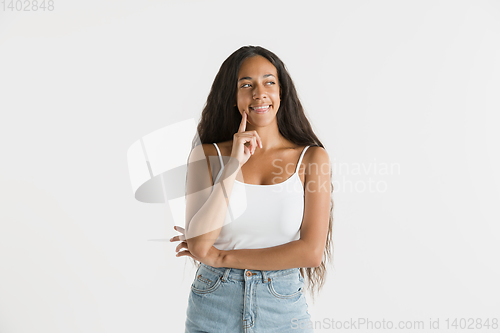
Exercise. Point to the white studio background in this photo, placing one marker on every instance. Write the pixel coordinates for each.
(403, 94)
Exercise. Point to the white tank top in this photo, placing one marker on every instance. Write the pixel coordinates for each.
(261, 216)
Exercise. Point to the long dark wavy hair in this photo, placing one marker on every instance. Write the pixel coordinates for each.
(220, 120)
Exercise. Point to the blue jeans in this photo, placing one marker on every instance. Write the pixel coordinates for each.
(240, 300)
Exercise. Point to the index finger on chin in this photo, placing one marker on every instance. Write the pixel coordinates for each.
(243, 124)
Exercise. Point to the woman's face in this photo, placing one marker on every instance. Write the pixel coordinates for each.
(258, 91)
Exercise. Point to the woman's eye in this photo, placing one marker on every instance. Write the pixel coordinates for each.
(247, 84)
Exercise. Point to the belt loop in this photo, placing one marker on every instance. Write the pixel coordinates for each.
(264, 277)
(226, 274)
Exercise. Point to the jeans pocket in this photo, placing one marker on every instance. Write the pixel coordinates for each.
(206, 281)
(288, 286)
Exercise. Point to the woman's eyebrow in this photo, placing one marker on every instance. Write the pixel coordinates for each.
(249, 78)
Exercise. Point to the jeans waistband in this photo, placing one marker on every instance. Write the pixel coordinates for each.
(248, 274)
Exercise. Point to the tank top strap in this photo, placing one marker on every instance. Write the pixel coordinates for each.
(220, 156)
(300, 159)
(221, 164)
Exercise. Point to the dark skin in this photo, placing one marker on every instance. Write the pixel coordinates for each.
(266, 157)
(258, 85)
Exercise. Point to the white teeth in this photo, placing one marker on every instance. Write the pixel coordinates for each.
(261, 108)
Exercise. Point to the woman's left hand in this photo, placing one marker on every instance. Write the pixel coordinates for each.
(212, 258)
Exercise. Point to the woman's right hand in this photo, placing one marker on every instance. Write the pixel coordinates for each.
(241, 152)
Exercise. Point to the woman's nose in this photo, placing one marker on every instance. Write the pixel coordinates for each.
(258, 92)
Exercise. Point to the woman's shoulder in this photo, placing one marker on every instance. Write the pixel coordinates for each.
(315, 149)
(224, 147)
(316, 155)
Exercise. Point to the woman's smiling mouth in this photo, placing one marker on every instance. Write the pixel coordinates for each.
(260, 108)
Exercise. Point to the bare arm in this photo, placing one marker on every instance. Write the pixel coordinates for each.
(206, 205)
(290, 255)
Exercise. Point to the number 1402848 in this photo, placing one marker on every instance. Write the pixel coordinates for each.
(27, 5)
(472, 323)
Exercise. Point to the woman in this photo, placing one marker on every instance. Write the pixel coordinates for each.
(253, 223)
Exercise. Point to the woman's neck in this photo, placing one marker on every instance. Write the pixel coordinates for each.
(271, 138)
